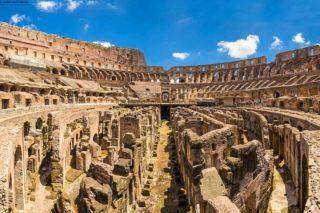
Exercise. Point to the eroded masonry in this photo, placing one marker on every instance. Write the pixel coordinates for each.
(82, 130)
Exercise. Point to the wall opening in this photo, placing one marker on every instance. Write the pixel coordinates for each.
(165, 112)
(46, 101)
(39, 124)
(277, 94)
(26, 129)
(45, 170)
(28, 102)
(5, 103)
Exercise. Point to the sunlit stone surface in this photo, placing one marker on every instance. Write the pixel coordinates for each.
(86, 128)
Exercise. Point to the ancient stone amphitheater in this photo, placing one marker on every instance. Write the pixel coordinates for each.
(86, 128)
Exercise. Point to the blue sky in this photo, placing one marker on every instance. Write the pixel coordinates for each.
(176, 32)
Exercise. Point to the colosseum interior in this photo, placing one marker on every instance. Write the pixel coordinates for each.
(86, 128)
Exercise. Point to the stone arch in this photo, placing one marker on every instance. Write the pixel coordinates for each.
(216, 76)
(24, 89)
(55, 71)
(45, 170)
(26, 129)
(63, 72)
(17, 154)
(225, 76)
(300, 105)
(234, 75)
(39, 123)
(277, 94)
(42, 91)
(182, 80)
(96, 138)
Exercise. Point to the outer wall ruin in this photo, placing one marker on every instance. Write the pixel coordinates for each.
(80, 125)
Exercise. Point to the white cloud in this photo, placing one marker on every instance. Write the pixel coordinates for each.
(86, 27)
(103, 43)
(92, 2)
(30, 27)
(73, 5)
(47, 6)
(241, 48)
(181, 56)
(299, 39)
(276, 44)
(185, 20)
(16, 18)
(112, 6)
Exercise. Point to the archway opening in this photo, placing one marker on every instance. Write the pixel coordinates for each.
(182, 80)
(300, 105)
(39, 124)
(26, 129)
(55, 71)
(165, 113)
(45, 170)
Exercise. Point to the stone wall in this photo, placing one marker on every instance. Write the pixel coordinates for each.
(51, 149)
(242, 165)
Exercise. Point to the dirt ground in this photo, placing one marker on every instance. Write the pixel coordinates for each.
(164, 194)
(282, 198)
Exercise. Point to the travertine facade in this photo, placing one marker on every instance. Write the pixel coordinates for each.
(80, 129)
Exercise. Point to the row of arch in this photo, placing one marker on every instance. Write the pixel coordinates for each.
(24, 156)
(103, 74)
(247, 73)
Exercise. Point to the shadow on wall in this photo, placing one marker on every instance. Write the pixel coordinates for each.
(45, 170)
(176, 199)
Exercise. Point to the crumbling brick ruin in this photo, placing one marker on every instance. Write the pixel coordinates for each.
(81, 128)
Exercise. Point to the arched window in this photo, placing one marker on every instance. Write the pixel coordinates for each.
(182, 80)
(55, 71)
(26, 129)
(216, 76)
(235, 74)
(39, 123)
(277, 94)
(63, 72)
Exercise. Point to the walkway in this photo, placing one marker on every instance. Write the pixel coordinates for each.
(166, 194)
(41, 202)
(283, 197)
